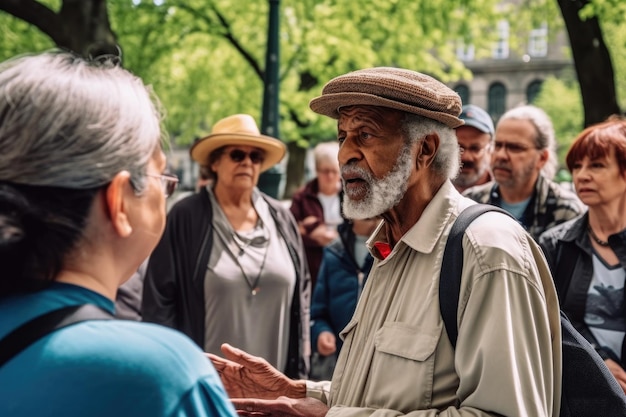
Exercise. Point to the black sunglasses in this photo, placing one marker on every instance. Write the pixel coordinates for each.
(237, 155)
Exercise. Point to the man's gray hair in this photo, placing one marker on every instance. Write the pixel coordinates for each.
(66, 122)
(447, 162)
(545, 133)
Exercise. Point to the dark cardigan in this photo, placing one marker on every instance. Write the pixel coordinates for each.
(174, 285)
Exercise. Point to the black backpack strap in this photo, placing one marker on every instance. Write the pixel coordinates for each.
(452, 267)
(33, 330)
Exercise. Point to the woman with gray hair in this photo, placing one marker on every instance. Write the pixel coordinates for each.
(82, 204)
(316, 206)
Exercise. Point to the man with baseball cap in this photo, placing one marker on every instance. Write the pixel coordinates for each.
(398, 151)
(475, 138)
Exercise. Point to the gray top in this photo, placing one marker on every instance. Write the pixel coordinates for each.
(248, 286)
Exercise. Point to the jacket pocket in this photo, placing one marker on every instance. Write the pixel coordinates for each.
(405, 341)
(403, 365)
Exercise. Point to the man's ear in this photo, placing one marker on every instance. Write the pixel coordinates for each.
(117, 204)
(543, 158)
(427, 150)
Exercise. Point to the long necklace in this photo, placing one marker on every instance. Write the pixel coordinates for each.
(596, 238)
(253, 285)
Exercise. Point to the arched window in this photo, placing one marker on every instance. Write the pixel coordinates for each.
(533, 90)
(496, 100)
(463, 91)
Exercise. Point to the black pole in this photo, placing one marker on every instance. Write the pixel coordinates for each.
(269, 181)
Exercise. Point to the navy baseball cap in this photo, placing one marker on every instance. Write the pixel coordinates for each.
(476, 117)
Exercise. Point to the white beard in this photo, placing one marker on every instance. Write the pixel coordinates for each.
(383, 194)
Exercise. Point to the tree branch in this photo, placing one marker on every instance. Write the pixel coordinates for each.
(226, 33)
(247, 56)
(35, 13)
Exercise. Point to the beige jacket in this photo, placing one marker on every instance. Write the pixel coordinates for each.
(397, 358)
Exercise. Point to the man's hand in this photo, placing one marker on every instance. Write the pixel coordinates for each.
(247, 376)
(326, 343)
(281, 407)
(618, 372)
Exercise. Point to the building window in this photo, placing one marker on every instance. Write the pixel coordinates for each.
(463, 91)
(496, 100)
(533, 90)
(501, 48)
(464, 52)
(538, 41)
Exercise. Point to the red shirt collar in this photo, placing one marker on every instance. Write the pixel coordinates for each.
(384, 249)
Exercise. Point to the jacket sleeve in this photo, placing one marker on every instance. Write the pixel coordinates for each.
(299, 212)
(320, 304)
(160, 285)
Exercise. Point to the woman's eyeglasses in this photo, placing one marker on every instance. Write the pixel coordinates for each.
(237, 155)
(169, 182)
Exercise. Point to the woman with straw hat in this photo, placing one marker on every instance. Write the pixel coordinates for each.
(230, 267)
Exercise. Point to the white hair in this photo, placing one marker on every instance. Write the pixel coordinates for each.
(326, 151)
(447, 160)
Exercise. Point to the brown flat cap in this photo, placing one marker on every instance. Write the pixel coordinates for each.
(395, 88)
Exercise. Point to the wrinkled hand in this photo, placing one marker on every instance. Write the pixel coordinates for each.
(326, 343)
(618, 372)
(247, 376)
(281, 407)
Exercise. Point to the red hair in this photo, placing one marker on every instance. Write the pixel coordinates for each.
(597, 141)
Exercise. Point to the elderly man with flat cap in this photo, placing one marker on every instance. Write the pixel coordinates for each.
(398, 154)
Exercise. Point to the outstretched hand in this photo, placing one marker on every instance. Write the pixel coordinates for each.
(247, 376)
(281, 407)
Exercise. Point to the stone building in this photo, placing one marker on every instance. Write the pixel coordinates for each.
(511, 77)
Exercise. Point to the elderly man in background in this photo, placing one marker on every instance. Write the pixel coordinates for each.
(523, 165)
(475, 138)
(398, 153)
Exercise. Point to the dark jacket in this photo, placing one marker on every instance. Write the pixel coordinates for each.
(337, 290)
(567, 248)
(174, 284)
(305, 203)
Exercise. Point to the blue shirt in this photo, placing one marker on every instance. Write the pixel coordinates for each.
(104, 368)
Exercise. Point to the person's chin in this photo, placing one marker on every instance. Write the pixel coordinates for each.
(500, 174)
(355, 209)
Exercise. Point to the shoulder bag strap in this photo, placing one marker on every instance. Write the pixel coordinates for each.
(33, 330)
(452, 267)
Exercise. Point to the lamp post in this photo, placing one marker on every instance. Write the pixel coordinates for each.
(269, 181)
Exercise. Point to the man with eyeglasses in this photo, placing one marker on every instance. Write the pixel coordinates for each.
(475, 139)
(523, 164)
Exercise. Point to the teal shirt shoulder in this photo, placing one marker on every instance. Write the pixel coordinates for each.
(104, 368)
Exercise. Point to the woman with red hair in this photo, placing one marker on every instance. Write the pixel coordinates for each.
(587, 254)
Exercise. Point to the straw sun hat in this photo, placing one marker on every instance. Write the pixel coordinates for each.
(394, 88)
(239, 129)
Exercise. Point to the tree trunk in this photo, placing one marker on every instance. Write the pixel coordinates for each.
(592, 62)
(295, 169)
(81, 26)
